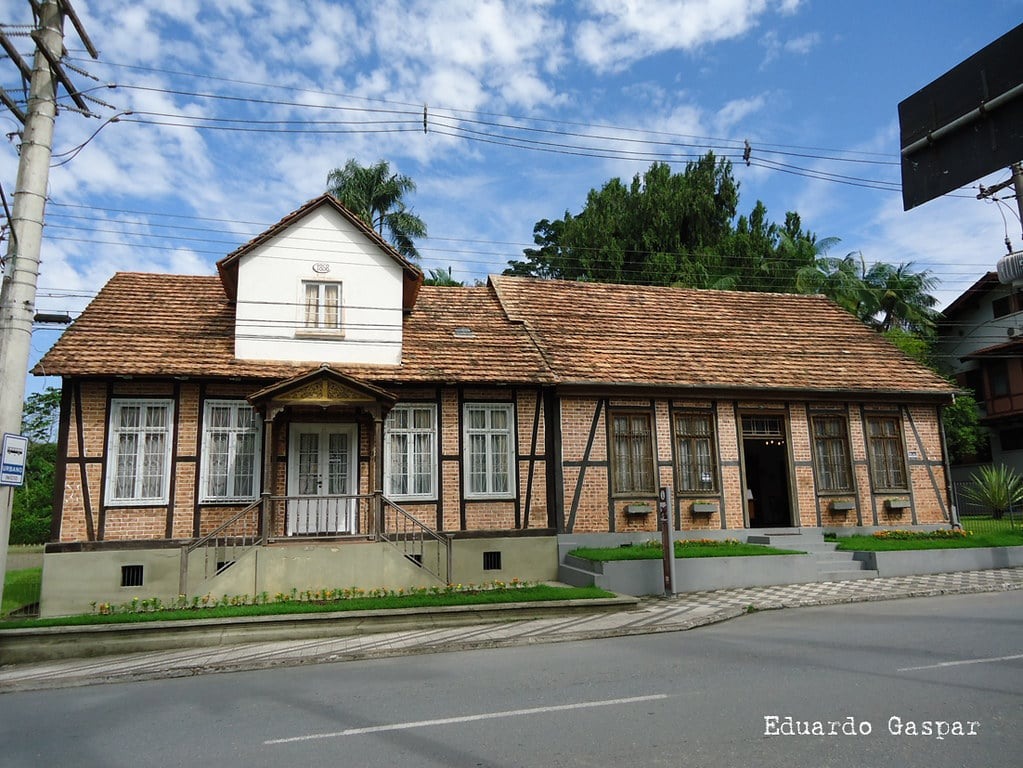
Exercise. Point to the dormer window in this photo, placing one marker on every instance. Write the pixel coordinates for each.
(321, 306)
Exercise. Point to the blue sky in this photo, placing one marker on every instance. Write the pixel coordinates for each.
(610, 85)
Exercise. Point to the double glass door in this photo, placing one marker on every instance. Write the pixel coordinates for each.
(322, 478)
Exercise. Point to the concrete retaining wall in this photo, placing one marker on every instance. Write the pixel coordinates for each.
(915, 562)
(72, 581)
(694, 574)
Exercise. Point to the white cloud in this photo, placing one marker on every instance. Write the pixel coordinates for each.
(775, 46)
(492, 46)
(802, 44)
(619, 33)
(734, 112)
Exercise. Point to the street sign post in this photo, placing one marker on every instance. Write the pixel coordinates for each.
(667, 535)
(12, 460)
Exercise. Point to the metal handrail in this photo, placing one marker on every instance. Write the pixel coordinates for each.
(215, 536)
(409, 537)
(200, 542)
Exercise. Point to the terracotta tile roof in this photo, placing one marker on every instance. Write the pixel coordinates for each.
(178, 325)
(600, 333)
(148, 324)
(516, 331)
(463, 334)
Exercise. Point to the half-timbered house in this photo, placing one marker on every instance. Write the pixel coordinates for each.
(313, 416)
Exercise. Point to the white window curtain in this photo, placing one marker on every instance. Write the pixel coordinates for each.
(139, 451)
(488, 446)
(322, 306)
(410, 445)
(230, 454)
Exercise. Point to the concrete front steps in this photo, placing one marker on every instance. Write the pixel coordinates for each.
(831, 564)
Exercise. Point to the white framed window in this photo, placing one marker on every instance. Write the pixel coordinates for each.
(488, 450)
(321, 305)
(410, 452)
(230, 452)
(139, 451)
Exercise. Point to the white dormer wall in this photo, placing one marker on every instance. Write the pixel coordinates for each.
(321, 247)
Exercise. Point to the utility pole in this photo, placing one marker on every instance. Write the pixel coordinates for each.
(21, 272)
(1016, 182)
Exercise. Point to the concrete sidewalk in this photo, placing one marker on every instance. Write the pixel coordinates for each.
(653, 615)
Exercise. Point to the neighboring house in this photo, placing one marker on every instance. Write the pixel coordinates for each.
(315, 400)
(980, 338)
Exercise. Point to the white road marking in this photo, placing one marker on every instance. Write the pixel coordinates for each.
(467, 718)
(961, 663)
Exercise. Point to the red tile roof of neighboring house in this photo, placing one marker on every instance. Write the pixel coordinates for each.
(517, 330)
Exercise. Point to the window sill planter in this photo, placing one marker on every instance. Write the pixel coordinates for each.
(896, 505)
(704, 507)
(842, 506)
(636, 510)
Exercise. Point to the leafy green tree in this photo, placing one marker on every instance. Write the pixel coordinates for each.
(33, 502)
(39, 415)
(965, 436)
(840, 279)
(546, 260)
(886, 297)
(377, 196)
(670, 228)
(662, 228)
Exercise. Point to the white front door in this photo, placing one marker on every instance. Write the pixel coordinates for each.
(322, 463)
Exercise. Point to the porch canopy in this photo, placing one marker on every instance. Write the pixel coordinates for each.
(312, 395)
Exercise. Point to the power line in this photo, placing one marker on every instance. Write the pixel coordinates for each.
(416, 108)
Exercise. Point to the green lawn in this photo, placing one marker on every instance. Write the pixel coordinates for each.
(24, 549)
(21, 588)
(900, 541)
(701, 548)
(538, 593)
(988, 524)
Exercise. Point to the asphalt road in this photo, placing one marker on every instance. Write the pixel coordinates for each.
(707, 697)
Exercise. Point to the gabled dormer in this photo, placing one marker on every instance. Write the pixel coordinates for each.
(319, 285)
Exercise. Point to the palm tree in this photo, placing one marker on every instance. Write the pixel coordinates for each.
(884, 297)
(840, 279)
(376, 196)
(900, 298)
(442, 277)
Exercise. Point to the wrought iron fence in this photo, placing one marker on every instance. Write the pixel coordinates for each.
(979, 519)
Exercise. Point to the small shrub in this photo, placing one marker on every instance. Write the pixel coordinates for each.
(997, 488)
